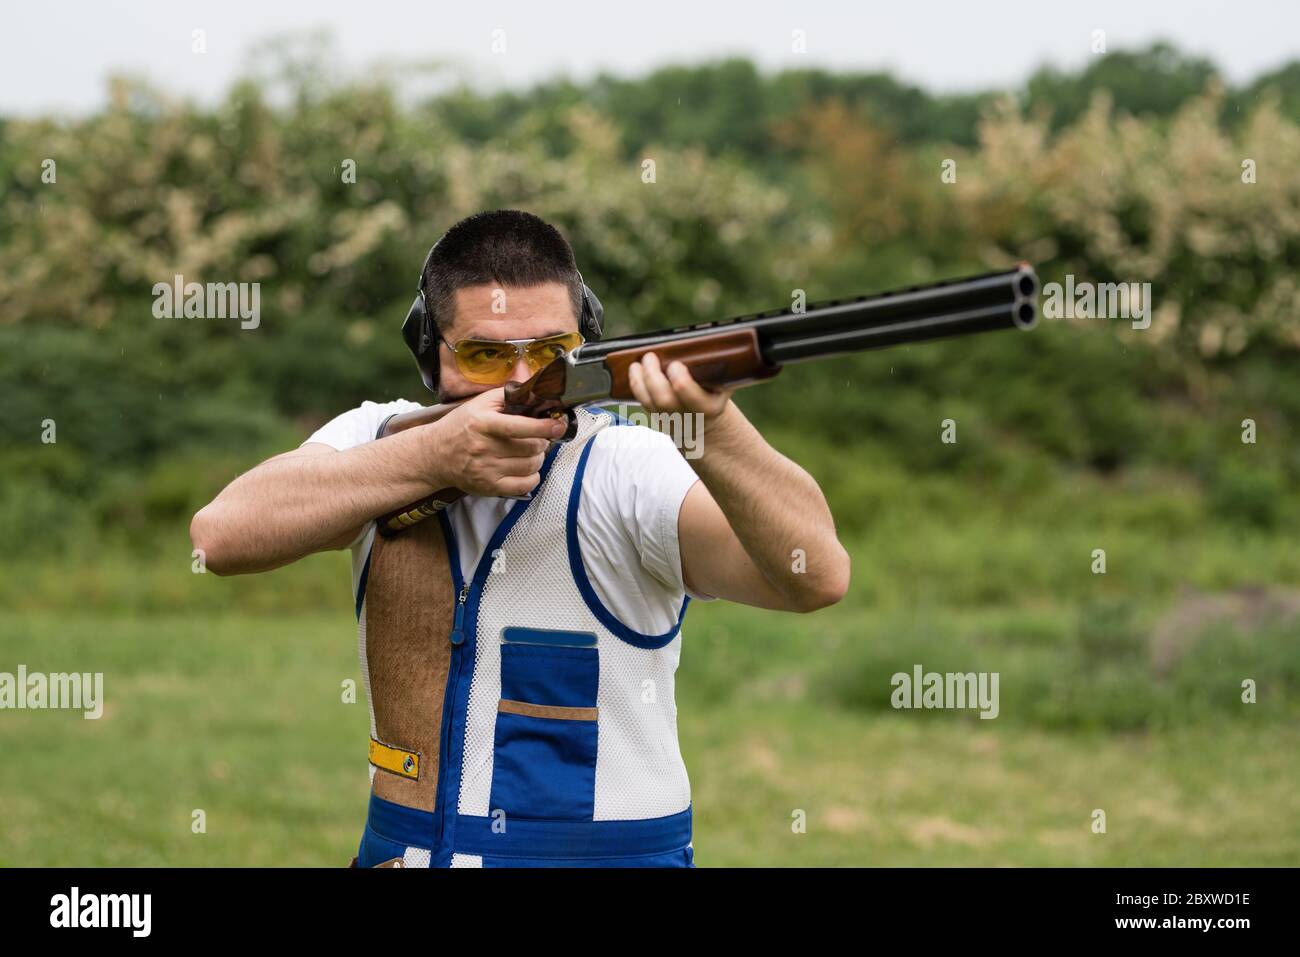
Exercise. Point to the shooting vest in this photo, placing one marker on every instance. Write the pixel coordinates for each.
(514, 720)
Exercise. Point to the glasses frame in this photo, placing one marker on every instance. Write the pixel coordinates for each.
(520, 346)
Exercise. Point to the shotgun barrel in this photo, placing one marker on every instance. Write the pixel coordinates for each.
(998, 300)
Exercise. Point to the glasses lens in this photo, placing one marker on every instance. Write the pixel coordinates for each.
(543, 351)
(485, 362)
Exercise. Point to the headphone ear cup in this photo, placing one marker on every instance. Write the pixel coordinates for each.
(417, 333)
(413, 330)
(593, 315)
(430, 364)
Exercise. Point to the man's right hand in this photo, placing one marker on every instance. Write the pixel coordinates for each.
(481, 450)
(314, 498)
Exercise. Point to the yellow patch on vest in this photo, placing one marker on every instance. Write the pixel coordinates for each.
(387, 758)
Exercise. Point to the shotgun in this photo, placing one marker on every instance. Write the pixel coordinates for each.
(747, 349)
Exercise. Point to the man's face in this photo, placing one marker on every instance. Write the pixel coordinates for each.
(496, 312)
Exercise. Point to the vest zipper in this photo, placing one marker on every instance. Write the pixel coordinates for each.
(476, 580)
(458, 627)
(457, 639)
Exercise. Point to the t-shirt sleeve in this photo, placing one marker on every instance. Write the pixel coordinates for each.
(358, 426)
(348, 430)
(652, 479)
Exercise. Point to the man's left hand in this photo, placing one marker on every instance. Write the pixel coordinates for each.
(674, 389)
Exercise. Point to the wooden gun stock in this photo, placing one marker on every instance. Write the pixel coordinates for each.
(722, 359)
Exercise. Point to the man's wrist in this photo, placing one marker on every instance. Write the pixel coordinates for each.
(433, 463)
(414, 460)
(722, 430)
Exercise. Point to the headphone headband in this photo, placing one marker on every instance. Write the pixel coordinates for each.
(420, 338)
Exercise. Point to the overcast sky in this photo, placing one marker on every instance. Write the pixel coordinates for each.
(54, 56)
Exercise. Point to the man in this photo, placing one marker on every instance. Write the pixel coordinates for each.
(530, 719)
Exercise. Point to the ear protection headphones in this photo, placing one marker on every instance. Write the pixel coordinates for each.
(422, 338)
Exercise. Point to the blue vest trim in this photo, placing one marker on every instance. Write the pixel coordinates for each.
(579, 571)
(456, 700)
(401, 824)
(453, 550)
(449, 693)
(410, 827)
(572, 839)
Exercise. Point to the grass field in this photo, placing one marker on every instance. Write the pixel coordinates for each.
(1103, 514)
(1118, 691)
(241, 715)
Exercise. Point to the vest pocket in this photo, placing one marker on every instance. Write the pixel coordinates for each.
(544, 766)
(376, 849)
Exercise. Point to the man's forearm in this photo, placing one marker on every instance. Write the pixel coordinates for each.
(296, 504)
(776, 510)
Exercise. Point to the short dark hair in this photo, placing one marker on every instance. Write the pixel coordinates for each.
(506, 247)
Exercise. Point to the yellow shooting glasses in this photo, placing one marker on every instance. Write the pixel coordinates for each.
(490, 361)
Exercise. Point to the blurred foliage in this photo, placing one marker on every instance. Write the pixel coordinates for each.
(971, 556)
(1129, 170)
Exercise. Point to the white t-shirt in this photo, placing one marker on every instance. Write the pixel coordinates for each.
(632, 493)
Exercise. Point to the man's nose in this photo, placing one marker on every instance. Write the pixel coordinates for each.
(522, 371)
